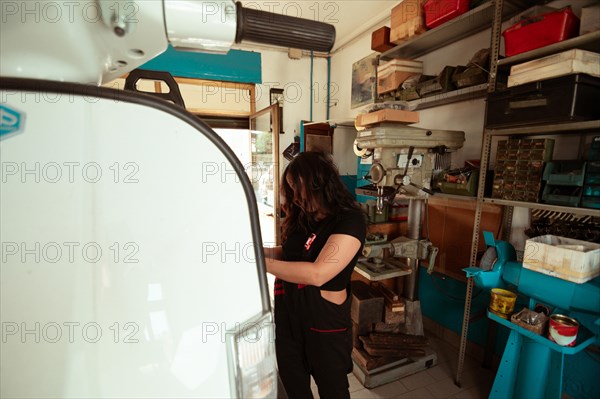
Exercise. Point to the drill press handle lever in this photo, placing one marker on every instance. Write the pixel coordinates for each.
(433, 251)
(428, 191)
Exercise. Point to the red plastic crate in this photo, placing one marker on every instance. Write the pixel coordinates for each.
(539, 31)
(439, 11)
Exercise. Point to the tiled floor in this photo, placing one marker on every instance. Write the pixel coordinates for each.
(435, 383)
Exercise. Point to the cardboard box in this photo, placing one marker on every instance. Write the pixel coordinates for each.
(380, 40)
(406, 11)
(387, 115)
(407, 30)
(572, 260)
(408, 19)
(392, 74)
(590, 19)
(393, 81)
(540, 321)
(561, 64)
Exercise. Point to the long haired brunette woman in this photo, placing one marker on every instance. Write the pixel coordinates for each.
(323, 234)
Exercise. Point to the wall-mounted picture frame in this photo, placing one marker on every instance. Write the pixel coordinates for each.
(364, 81)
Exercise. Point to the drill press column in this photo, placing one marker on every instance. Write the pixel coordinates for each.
(414, 319)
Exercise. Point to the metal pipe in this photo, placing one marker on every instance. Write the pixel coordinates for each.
(328, 85)
(311, 85)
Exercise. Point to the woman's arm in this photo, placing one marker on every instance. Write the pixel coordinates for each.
(273, 253)
(333, 258)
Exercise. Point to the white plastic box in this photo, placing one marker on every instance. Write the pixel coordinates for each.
(565, 63)
(572, 260)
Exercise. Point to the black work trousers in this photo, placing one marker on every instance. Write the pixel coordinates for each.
(312, 337)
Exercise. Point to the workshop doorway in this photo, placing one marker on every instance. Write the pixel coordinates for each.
(257, 148)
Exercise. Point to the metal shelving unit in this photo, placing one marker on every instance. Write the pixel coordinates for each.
(469, 23)
(491, 13)
(473, 21)
(590, 42)
(554, 128)
(546, 207)
(467, 93)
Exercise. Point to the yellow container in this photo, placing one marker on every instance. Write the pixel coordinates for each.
(502, 302)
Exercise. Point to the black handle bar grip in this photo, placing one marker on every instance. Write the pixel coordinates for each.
(282, 30)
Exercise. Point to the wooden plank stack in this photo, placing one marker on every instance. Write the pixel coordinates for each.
(378, 315)
(395, 345)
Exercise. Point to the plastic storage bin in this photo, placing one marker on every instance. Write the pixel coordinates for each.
(438, 12)
(565, 173)
(591, 189)
(564, 182)
(539, 31)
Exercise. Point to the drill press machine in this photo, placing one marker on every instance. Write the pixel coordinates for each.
(404, 158)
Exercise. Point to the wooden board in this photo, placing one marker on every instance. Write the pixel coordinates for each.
(451, 230)
(387, 115)
(390, 346)
(380, 40)
(399, 65)
(389, 269)
(382, 327)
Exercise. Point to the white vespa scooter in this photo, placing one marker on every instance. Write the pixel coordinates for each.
(127, 269)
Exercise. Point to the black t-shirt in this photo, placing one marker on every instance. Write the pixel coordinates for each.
(305, 246)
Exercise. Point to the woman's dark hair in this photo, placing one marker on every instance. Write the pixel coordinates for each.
(311, 187)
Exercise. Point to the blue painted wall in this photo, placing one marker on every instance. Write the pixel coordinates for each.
(350, 182)
(443, 300)
(235, 66)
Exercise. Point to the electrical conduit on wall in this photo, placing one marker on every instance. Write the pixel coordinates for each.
(328, 84)
(311, 84)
